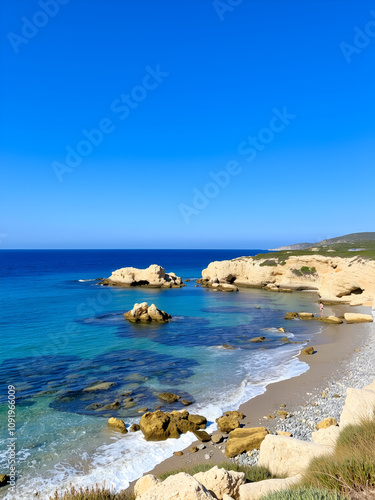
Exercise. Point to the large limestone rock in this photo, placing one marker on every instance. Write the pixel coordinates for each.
(159, 425)
(346, 280)
(359, 405)
(326, 436)
(287, 456)
(220, 482)
(358, 318)
(154, 277)
(177, 487)
(145, 483)
(143, 313)
(241, 440)
(255, 491)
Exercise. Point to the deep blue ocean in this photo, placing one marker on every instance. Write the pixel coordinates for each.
(61, 332)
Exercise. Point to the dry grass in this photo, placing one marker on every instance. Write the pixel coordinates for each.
(94, 493)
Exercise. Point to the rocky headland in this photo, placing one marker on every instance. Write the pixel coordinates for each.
(336, 279)
(153, 277)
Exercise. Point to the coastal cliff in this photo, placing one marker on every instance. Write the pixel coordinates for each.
(336, 279)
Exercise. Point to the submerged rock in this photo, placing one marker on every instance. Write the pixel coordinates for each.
(169, 397)
(143, 313)
(103, 386)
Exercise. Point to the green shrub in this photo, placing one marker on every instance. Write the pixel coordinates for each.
(269, 262)
(304, 494)
(352, 466)
(308, 270)
(297, 272)
(94, 493)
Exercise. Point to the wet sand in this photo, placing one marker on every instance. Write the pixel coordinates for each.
(335, 346)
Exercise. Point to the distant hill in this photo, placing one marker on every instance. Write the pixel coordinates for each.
(347, 238)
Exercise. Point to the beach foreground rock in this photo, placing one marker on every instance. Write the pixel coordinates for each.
(255, 491)
(153, 277)
(287, 456)
(179, 486)
(145, 314)
(220, 482)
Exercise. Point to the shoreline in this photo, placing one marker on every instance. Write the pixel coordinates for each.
(340, 351)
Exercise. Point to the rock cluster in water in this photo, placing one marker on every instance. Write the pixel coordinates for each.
(152, 277)
(144, 314)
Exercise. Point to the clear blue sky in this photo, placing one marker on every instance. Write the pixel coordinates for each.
(180, 89)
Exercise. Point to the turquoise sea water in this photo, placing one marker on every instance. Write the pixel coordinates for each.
(62, 332)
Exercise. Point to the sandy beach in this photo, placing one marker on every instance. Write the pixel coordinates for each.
(344, 357)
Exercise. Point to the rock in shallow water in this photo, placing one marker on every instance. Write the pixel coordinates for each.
(142, 313)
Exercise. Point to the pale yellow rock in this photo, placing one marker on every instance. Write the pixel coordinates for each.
(255, 491)
(284, 433)
(327, 436)
(359, 405)
(154, 276)
(177, 487)
(221, 482)
(227, 497)
(370, 387)
(287, 456)
(336, 279)
(118, 424)
(145, 483)
(327, 422)
(358, 318)
(245, 439)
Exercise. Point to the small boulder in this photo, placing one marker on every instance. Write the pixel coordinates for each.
(291, 315)
(203, 436)
(305, 315)
(334, 320)
(169, 397)
(308, 350)
(257, 339)
(4, 478)
(118, 424)
(241, 440)
(229, 421)
(145, 314)
(135, 428)
(327, 422)
(217, 438)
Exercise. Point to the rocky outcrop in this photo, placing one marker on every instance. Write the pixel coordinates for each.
(153, 277)
(220, 482)
(159, 425)
(359, 405)
(358, 318)
(247, 439)
(339, 280)
(145, 314)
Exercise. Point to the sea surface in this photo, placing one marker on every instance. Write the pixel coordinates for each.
(61, 332)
